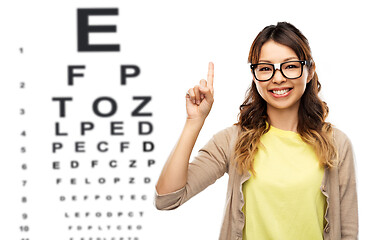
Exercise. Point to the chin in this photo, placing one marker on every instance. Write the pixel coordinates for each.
(283, 105)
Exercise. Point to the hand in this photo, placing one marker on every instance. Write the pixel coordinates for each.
(199, 99)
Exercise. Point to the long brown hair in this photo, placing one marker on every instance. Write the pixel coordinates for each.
(312, 110)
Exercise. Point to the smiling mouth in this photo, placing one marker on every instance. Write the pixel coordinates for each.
(281, 92)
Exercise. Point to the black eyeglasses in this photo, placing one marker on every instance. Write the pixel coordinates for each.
(290, 69)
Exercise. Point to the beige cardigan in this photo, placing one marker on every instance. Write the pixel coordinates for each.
(214, 159)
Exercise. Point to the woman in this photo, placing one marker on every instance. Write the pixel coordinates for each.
(291, 174)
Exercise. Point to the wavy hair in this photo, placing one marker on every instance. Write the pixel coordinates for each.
(312, 110)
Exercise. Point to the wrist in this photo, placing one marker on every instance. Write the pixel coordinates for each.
(195, 122)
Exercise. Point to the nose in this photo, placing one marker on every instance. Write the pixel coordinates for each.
(278, 77)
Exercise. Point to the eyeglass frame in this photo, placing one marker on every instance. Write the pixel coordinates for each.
(277, 66)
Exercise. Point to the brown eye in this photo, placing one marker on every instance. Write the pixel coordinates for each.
(291, 66)
(264, 69)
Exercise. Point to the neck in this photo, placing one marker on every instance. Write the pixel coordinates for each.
(285, 119)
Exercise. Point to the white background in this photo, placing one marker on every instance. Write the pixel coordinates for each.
(172, 42)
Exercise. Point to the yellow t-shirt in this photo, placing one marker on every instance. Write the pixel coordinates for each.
(284, 200)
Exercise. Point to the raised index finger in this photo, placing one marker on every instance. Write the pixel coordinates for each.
(210, 76)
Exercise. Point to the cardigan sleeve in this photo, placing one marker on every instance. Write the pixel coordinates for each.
(209, 165)
(347, 190)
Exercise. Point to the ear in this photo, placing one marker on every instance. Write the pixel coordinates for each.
(252, 75)
(311, 72)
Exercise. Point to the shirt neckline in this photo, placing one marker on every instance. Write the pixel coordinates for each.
(282, 132)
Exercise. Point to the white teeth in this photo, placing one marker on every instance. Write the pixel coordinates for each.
(280, 92)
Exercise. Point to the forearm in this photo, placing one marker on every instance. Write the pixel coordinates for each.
(174, 174)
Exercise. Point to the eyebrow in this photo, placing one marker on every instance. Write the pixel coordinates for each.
(285, 60)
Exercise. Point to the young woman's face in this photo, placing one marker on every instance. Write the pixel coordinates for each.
(280, 92)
